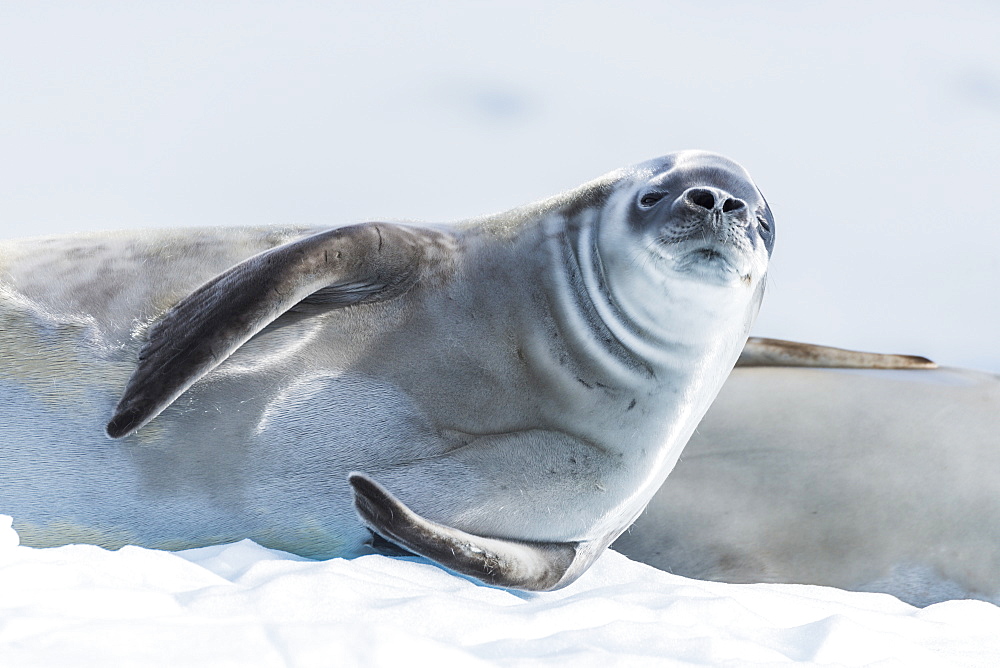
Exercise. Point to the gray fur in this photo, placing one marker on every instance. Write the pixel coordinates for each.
(530, 377)
(867, 480)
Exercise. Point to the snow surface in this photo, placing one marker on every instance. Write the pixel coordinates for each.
(244, 605)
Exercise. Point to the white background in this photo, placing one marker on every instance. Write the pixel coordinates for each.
(873, 128)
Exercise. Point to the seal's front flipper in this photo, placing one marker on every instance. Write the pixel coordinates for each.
(776, 352)
(495, 561)
(333, 269)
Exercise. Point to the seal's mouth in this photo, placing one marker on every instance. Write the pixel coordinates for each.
(714, 263)
(706, 257)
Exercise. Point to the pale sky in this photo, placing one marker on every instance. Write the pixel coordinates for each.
(872, 128)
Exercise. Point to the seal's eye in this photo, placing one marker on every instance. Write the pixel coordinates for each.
(763, 223)
(649, 199)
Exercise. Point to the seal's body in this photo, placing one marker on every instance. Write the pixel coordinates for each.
(867, 480)
(508, 392)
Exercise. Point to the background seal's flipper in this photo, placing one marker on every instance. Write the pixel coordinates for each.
(777, 352)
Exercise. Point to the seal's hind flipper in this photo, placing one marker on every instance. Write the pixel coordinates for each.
(775, 352)
(348, 265)
(495, 561)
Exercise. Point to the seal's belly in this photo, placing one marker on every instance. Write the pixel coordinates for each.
(254, 451)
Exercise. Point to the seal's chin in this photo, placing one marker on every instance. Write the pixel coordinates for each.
(716, 264)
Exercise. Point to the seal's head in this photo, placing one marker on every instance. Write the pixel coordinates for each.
(691, 215)
(681, 243)
(702, 215)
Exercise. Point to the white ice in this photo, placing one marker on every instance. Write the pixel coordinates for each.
(244, 605)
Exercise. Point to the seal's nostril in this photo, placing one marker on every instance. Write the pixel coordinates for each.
(702, 198)
(732, 204)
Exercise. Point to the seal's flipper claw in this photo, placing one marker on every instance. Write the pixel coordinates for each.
(495, 561)
(776, 352)
(333, 269)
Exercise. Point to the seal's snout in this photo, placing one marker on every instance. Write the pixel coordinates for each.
(714, 208)
(712, 199)
(713, 234)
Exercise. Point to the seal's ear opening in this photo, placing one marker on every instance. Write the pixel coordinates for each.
(349, 265)
(765, 226)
